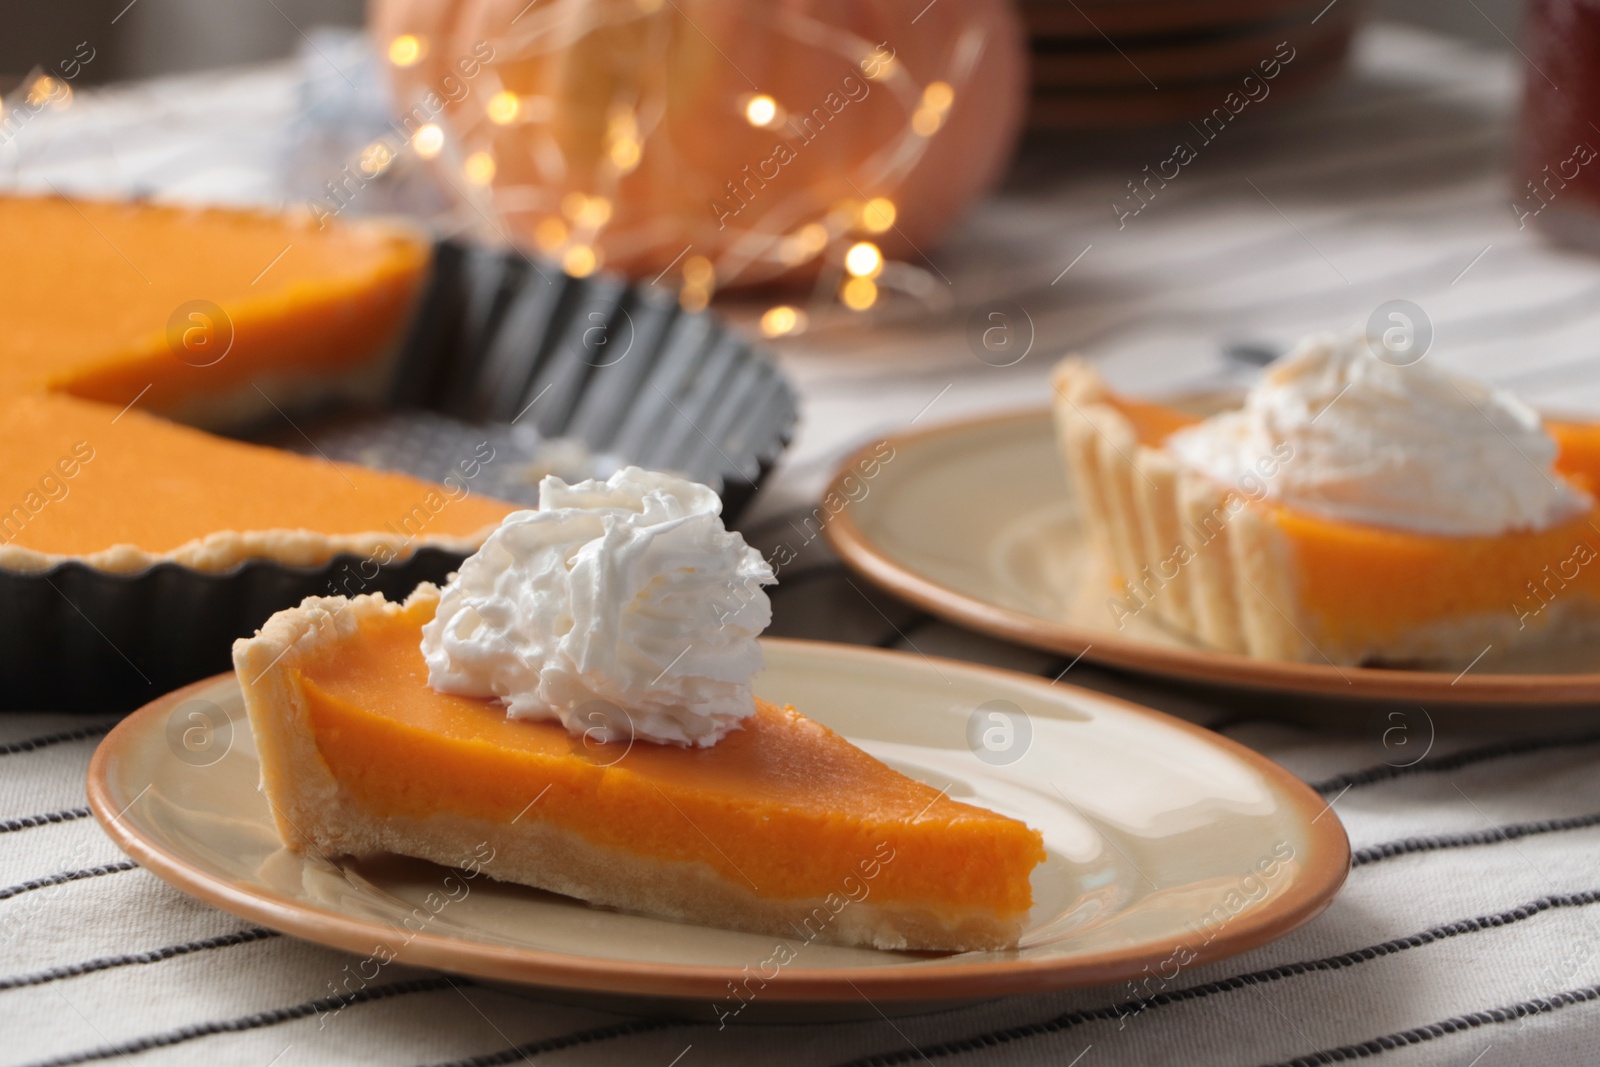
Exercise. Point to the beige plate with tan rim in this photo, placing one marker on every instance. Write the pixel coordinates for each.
(975, 522)
(1163, 838)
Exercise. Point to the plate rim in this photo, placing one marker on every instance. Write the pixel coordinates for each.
(860, 553)
(1326, 867)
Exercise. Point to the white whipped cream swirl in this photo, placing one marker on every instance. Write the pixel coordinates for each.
(1332, 429)
(622, 608)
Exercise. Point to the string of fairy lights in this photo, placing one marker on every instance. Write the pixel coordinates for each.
(792, 232)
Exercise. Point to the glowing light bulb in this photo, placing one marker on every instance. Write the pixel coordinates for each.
(925, 121)
(813, 237)
(863, 260)
(781, 320)
(879, 214)
(698, 271)
(625, 154)
(478, 168)
(428, 140)
(580, 261)
(622, 137)
(761, 110)
(938, 96)
(859, 294)
(503, 107)
(405, 50)
(596, 211)
(43, 89)
(375, 158)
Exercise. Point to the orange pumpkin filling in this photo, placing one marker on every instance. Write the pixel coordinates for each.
(93, 287)
(784, 805)
(1350, 574)
(151, 483)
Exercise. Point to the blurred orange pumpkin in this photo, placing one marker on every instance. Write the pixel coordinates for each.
(741, 141)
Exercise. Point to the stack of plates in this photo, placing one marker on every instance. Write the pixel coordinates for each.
(1102, 64)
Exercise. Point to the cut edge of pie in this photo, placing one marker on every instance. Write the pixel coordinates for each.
(1238, 574)
(314, 811)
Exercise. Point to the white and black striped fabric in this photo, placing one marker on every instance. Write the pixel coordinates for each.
(1469, 932)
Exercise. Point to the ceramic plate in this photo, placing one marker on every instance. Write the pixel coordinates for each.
(975, 522)
(1167, 845)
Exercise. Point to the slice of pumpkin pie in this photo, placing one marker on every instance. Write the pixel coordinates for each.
(1353, 510)
(578, 700)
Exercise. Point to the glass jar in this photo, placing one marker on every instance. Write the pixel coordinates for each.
(1556, 169)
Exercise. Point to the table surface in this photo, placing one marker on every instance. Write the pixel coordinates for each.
(1464, 935)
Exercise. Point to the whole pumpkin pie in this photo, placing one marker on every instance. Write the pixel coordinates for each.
(1352, 511)
(578, 703)
(129, 325)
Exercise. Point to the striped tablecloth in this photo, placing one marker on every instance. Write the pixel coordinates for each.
(1468, 933)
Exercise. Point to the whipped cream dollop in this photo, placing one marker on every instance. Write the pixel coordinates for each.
(623, 608)
(1332, 429)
